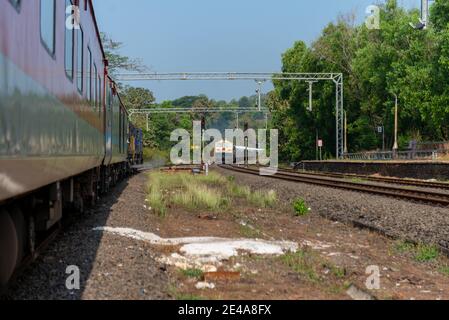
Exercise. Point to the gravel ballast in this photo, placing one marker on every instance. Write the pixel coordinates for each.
(393, 217)
(110, 268)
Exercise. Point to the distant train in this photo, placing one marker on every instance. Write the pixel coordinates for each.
(135, 145)
(223, 149)
(65, 137)
(226, 150)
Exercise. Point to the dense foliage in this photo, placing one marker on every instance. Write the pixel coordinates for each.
(376, 65)
(161, 125)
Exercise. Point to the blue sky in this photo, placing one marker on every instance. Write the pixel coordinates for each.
(217, 35)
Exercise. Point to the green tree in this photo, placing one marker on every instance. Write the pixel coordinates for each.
(117, 61)
(137, 98)
(244, 103)
(440, 14)
(376, 64)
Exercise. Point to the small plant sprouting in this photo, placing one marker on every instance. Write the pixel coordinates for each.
(300, 207)
(192, 273)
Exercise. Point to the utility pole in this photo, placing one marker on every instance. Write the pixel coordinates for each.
(246, 143)
(203, 130)
(259, 93)
(346, 133)
(425, 13)
(424, 21)
(395, 146)
(310, 109)
(237, 119)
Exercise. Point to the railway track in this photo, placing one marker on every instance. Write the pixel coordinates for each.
(389, 180)
(30, 258)
(430, 197)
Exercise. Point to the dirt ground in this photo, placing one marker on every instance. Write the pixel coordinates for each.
(332, 260)
(339, 255)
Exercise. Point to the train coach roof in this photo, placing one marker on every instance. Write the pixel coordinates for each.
(97, 30)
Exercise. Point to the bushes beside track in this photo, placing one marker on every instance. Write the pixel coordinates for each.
(156, 155)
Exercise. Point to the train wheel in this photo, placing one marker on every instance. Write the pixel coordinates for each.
(21, 231)
(8, 247)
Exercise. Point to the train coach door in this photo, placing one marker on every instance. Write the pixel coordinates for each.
(108, 124)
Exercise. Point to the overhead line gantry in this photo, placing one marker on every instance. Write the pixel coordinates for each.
(337, 78)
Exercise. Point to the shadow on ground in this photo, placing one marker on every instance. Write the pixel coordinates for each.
(76, 245)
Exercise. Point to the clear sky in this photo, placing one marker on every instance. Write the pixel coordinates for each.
(217, 35)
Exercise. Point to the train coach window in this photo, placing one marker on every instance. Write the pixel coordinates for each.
(16, 4)
(80, 59)
(123, 130)
(89, 74)
(100, 96)
(48, 18)
(94, 86)
(69, 47)
(120, 130)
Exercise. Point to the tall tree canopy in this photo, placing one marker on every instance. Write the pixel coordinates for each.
(440, 14)
(376, 64)
(117, 61)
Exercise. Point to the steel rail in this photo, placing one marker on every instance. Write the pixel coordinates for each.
(389, 180)
(436, 198)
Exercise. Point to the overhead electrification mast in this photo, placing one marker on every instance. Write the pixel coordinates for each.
(259, 77)
(423, 23)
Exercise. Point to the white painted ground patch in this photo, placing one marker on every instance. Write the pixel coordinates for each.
(205, 252)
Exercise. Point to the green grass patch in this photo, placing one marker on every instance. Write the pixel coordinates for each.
(303, 262)
(300, 207)
(420, 252)
(263, 199)
(155, 198)
(188, 297)
(201, 197)
(173, 291)
(258, 198)
(426, 253)
(192, 273)
(317, 270)
(213, 179)
(404, 247)
(238, 191)
(186, 190)
(339, 288)
(336, 271)
(444, 270)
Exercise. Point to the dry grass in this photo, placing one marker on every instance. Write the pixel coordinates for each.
(258, 198)
(200, 197)
(443, 157)
(213, 192)
(314, 269)
(263, 199)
